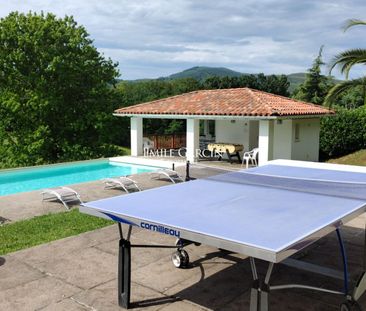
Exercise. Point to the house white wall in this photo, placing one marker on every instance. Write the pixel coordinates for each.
(236, 132)
(306, 147)
(253, 134)
(296, 139)
(282, 144)
(265, 141)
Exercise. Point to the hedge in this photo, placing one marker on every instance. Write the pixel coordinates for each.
(343, 133)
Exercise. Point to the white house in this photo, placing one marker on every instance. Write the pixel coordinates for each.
(281, 127)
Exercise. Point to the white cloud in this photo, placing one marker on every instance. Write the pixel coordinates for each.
(156, 38)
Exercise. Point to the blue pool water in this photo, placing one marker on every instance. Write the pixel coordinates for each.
(22, 180)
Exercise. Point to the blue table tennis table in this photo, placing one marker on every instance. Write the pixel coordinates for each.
(269, 213)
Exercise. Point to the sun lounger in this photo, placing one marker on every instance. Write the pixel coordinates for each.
(173, 176)
(63, 194)
(127, 184)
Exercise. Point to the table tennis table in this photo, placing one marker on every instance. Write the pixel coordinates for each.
(270, 213)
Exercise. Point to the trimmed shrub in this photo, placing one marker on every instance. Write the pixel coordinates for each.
(343, 133)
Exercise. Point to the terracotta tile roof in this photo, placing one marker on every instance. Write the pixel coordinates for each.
(226, 102)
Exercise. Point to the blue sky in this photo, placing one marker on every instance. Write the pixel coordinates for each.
(154, 38)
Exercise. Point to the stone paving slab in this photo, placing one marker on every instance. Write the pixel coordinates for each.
(281, 301)
(183, 306)
(67, 304)
(36, 294)
(216, 288)
(93, 267)
(14, 273)
(103, 297)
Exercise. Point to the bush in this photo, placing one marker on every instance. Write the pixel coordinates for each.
(343, 133)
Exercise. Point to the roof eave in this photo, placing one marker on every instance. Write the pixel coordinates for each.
(219, 117)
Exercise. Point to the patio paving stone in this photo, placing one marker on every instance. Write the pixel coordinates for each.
(104, 297)
(36, 294)
(65, 305)
(14, 273)
(86, 268)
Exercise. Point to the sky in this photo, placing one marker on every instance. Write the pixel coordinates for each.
(155, 38)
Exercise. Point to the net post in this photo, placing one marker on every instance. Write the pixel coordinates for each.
(188, 178)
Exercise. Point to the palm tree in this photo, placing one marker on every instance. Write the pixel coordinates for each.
(345, 61)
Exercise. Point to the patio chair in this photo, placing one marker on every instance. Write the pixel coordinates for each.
(63, 194)
(173, 176)
(147, 145)
(127, 184)
(250, 156)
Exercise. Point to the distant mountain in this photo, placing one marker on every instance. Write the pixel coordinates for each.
(295, 80)
(201, 73)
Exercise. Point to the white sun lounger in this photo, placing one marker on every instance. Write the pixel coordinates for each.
(63, 194)
(173, 176)
(127, 184)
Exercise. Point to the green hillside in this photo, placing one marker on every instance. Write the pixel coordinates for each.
(295, 80)
(201, 73)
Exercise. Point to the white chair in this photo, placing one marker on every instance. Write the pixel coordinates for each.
(147, 145)
(63, 194)
(250, 156)
(127, 184)
(173, 176)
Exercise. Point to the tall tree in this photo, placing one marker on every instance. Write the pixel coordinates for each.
(273, 84)
(55, 91)
(316, 86)
(345, 61)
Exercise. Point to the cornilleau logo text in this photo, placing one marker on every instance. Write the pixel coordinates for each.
(160, 229)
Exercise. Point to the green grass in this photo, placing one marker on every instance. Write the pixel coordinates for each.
(124, 150)
(38, 230)
(356, 158)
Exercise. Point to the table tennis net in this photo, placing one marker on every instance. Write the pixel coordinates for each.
(349, 190)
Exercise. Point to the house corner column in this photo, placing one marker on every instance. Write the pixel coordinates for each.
(136, 136)
(193, 128)
(265, 143)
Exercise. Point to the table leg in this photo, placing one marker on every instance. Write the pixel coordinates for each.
(360, 287)
(238, 155)
(254, 292)
(124, 270)
(364, 249)
(259, 293)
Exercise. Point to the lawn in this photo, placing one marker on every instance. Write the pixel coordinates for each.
(356, 158)
(46, 228)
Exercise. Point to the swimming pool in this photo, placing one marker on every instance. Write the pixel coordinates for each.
(29, 179)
